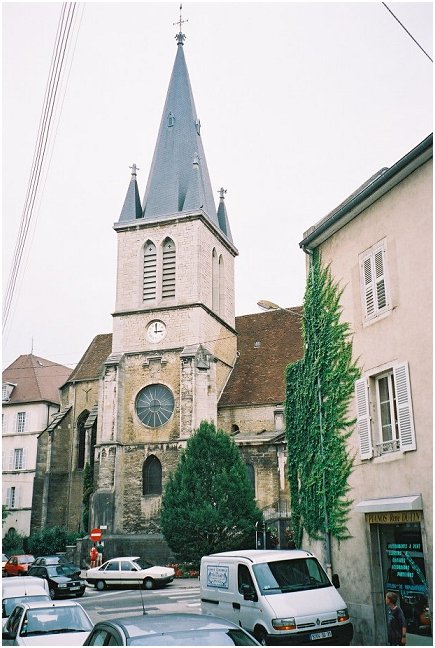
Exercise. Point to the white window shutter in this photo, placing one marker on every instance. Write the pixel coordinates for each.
(368, 286)
(8, 498)
(363, 418)
(11, 459)
(404, 407)
(381, 290)
(17, 497)
(24, 459)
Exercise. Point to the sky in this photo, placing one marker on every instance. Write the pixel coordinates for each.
(300, 103)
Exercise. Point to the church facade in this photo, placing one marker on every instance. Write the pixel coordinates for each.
(177, 354)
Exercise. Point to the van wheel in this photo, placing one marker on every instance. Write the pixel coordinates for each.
(261, 636)
(100, 585)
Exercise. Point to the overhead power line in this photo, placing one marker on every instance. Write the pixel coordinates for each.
(409, 33)
(43, 138)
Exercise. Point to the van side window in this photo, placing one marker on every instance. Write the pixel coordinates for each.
(244, 579)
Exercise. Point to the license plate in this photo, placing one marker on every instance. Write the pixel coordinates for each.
(321, 635)
(74, 588)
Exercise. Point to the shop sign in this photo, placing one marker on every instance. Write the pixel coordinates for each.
(394, 517)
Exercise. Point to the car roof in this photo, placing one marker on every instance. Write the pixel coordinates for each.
(124, 558)
(148, 624)
(49, 604)
(263, 555)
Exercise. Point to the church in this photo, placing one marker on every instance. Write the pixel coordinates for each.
(177, 354)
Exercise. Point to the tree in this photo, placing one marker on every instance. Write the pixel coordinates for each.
(208, 504)
(318, 392)
(5, 513)
(50, 540)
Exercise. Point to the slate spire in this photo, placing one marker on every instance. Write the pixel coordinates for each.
(132, 208)
(179, 180)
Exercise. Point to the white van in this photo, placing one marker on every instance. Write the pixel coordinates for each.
(19, 589)
(281, 597)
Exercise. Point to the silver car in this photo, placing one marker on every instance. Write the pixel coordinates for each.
(169, 630)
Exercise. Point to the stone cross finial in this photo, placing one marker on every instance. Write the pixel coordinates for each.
(222, 193)
(134, 168)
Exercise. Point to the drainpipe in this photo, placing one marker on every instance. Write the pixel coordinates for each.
(327, 537)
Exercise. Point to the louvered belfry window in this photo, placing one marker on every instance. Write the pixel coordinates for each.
(149, 271)
(168, 269)
(373, 280)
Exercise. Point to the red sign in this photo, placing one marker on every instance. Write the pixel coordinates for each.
(95, 534)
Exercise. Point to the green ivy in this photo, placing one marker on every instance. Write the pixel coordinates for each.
(319, 388)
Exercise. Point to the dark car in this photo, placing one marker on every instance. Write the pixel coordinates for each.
(56, 559)
(169, 630)
(62, 581)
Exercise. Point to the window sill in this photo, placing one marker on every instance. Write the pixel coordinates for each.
(387, 457)
(377, 318)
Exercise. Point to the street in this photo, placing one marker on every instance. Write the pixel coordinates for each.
(182, 595)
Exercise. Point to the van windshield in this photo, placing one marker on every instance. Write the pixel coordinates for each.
(280, 576)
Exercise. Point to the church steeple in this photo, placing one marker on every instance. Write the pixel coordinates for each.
(132, 208)
(179, 181)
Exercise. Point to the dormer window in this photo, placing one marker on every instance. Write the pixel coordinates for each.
(171, 119)
(7, 389)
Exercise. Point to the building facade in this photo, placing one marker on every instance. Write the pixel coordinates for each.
(379, 247)
(177, 354)
(30, 397)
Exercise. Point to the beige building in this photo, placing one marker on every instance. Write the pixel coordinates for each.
(379, 245)
(30, 397)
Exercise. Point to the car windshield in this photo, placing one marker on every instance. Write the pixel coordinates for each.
(60, 570)
(10, 603)
(231, 637)
(290, 575)
(40, 621)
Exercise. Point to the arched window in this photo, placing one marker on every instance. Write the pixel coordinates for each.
(149, 271)
(250, 471)
(168, 269)
(214, 281)
(81, 439)
(221, 286)
(152, 476)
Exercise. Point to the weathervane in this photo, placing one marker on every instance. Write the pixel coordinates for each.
(180, 36)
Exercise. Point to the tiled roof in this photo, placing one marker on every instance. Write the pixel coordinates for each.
(267, 343)
(36, 379)
(90, 365)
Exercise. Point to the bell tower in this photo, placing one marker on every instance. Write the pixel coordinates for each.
(174, 343)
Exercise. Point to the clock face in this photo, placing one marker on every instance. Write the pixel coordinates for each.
(155, 405)
(156, 331)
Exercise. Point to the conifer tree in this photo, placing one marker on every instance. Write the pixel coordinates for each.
(208, 504)
(318, 392)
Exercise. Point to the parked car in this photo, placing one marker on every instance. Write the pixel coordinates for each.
(21, 589)
(56, 560)
(4, 561)
(47, 624)
(129, 571)
(62, 581)
(169, 630)
(18, 565)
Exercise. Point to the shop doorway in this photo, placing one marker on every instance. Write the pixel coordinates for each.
(404, 572)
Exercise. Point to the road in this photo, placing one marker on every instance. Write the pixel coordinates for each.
(182, 595)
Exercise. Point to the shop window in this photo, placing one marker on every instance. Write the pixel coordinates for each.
(403, 571)
(384, 412)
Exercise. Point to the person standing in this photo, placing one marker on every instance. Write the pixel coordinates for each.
(397, 621)
(100, 554)
(93, 555)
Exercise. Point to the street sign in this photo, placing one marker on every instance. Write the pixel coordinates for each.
(95, 534)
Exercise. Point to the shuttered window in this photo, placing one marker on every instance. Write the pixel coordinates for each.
(393, 427)
(19, 459)
(373, 281)
(168, 269)
(149, 271)
(12, 497)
